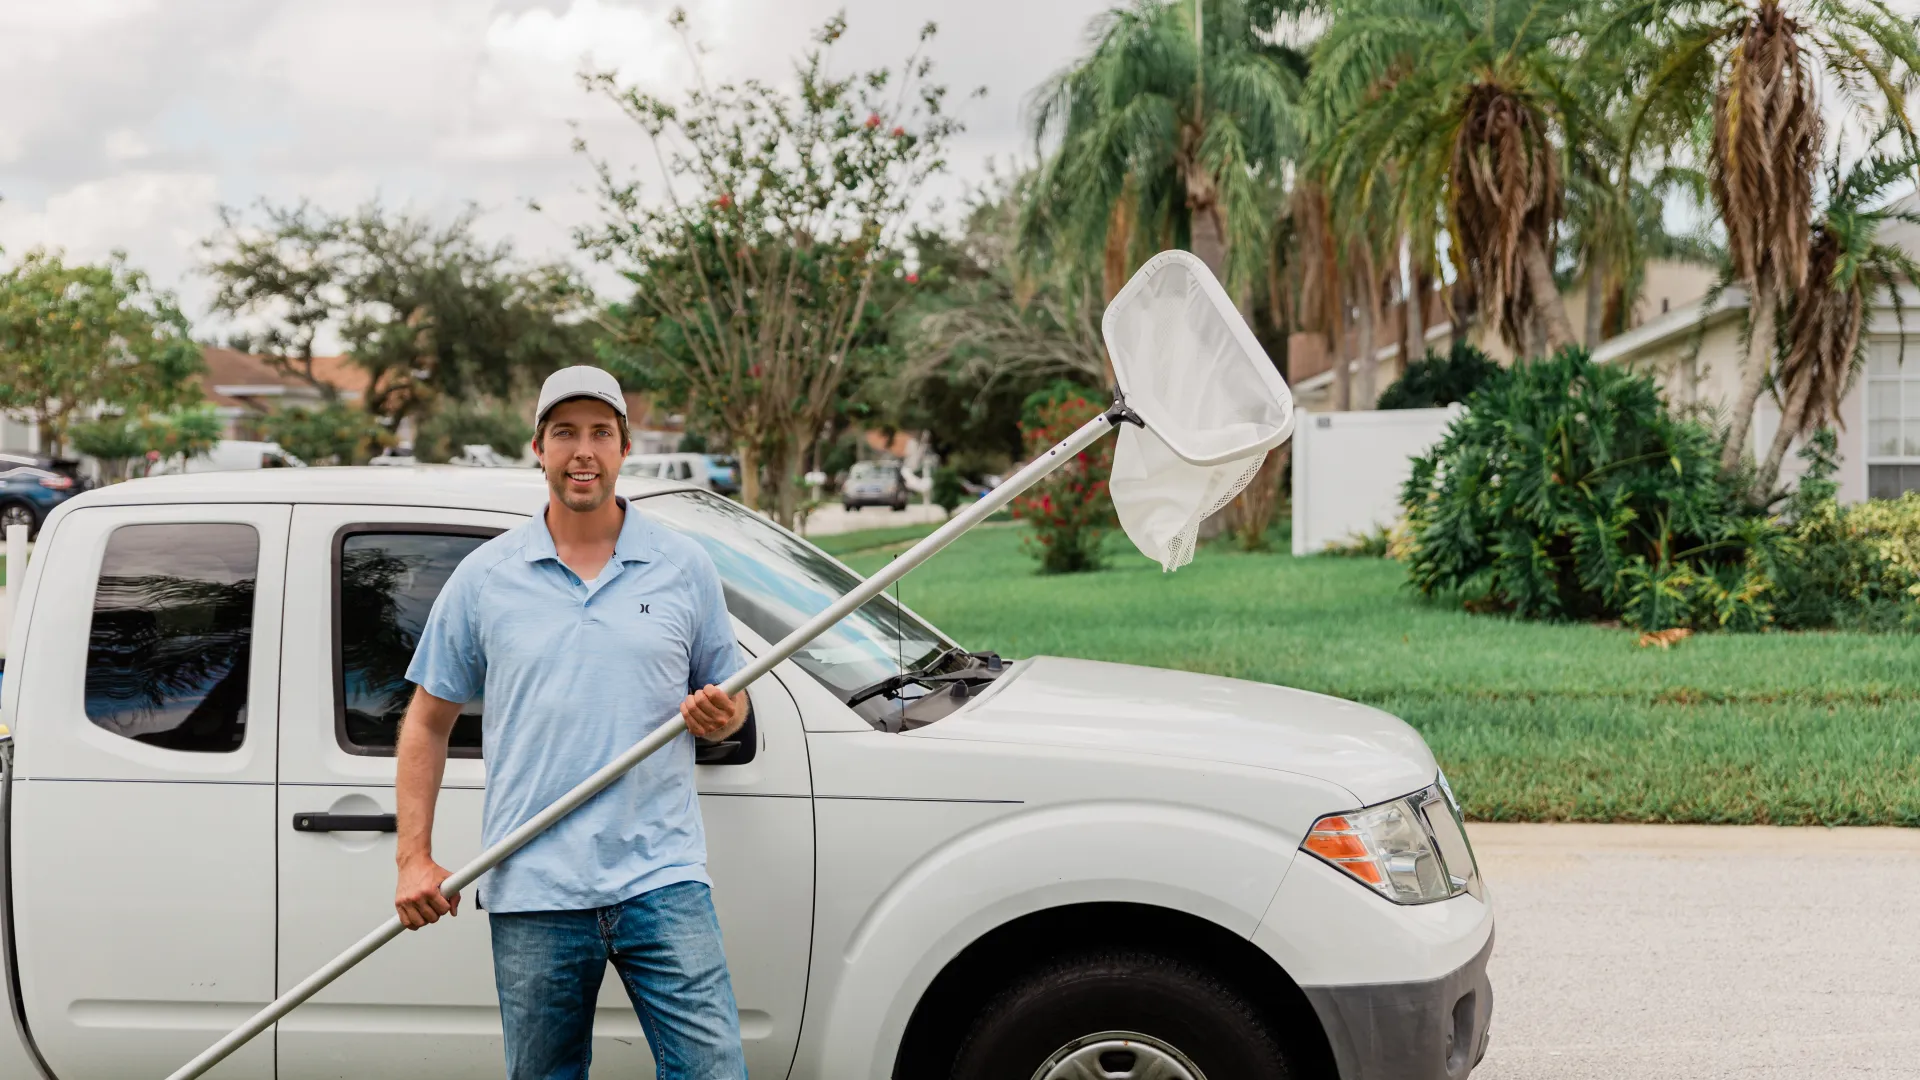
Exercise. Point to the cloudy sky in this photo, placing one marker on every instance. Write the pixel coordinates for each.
(129, 121)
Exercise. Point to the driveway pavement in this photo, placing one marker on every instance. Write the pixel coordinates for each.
(1679, 952)
(834, 518)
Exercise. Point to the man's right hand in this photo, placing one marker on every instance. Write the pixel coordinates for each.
(417, 899)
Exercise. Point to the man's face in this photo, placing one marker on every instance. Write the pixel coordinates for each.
(581, 453)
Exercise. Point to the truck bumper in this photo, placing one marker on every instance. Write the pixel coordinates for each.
(1432, 1030)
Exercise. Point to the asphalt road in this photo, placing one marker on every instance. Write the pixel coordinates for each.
(1678, 952)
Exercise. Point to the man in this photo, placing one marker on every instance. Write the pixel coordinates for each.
(583, 628)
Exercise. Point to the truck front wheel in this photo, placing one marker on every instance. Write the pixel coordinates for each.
(1124, 1015)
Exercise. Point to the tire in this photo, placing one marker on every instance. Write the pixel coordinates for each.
(899, 508)
(19, 513)
(1091, 1009)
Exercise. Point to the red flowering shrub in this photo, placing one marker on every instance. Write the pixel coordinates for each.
(1069, 513)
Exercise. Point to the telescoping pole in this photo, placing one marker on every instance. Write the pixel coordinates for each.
(1020, 481)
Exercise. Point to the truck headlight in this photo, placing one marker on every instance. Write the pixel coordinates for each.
(1411, 850)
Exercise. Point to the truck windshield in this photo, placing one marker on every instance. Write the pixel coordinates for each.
(774, 582)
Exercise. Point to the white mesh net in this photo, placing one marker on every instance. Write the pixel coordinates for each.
(1212, 402)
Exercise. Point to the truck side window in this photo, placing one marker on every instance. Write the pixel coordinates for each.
(385, 586)
(169, 648)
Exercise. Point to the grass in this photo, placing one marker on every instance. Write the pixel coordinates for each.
(842, 544)
(1532, 722)
(892, 537)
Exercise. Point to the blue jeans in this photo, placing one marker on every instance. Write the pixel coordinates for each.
(664, 944)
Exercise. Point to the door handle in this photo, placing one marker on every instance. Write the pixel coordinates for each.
(324, 822)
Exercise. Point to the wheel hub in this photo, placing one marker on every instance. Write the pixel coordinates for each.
(1118, 1055)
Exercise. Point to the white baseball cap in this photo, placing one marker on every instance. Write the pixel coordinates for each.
(581, 380)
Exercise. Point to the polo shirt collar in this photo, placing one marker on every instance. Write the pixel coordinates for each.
(634, 544)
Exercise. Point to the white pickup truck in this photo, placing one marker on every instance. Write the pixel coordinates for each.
(929, 864)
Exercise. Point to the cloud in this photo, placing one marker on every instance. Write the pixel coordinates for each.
(129, 121)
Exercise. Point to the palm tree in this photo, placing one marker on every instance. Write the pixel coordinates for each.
(1167, 131)
(1755, 60)
(1628, 153)
(1846, 263)
(1459, 104)
(1612, 234)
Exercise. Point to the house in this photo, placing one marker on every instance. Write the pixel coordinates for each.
(243, 388)
(1690, 343)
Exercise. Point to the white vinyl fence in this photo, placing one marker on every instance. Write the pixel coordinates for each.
(1348, 468)
(16, 550)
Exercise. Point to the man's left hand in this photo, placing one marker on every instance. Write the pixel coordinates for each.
(711, 714)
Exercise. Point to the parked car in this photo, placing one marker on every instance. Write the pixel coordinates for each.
(723, 473)
(682, 468)
(927, 862)
(31, 486)
(874, 483)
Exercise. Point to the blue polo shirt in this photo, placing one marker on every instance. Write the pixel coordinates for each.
(573, 674)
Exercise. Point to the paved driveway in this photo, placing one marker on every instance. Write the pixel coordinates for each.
(1678, 952)
(834, 518)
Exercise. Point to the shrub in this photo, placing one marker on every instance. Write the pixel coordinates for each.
(455, 425)
(1434, 380)
(1851, 566)
(1069, 513)
(1569, 491)
(333, 434)
(948, 489)
(126, 443)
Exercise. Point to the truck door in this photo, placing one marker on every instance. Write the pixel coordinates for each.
(143, 824)
(425, 1005)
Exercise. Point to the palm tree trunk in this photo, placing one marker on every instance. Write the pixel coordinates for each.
(1753, 377)
(1596, 298)
(1790, 420)
(1416, 310)
(1546, 297)
(1369, 320)
(1119, 241)
(1207, 238)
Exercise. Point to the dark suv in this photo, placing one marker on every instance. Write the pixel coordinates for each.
(31, 486)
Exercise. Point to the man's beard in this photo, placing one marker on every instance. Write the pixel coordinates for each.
(581, 503)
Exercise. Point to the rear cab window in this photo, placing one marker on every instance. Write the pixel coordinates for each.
(169, 649)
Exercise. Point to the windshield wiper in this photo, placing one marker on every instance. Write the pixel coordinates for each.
(981, 667)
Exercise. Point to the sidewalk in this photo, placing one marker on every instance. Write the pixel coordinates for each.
(1682, 952)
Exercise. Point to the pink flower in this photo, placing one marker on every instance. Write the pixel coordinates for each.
(873, 120)
(913, 279)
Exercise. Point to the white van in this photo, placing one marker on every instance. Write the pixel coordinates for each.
(232, 455)
(680, 468)
(927, 862)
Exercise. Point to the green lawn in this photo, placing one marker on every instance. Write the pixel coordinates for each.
(1531, 722)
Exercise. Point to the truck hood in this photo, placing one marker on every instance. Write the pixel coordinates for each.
(1053, 701)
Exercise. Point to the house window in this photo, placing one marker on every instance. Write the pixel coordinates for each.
(1893, 421)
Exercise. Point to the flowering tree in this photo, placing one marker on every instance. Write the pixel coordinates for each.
(77, 335)
(753, 271)
(1069, 513)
